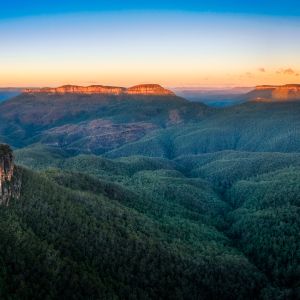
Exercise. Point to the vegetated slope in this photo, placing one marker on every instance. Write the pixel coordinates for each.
(41, 157)
(264, 127)
(205, 209)
(158, 126)
(259, 214)
(29, 117)
(224, 168)
(266, 224)
(74, 244)
(189, 212)
(155, 179)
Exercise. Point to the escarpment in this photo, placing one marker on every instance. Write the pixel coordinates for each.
(9, 181)
(148, 89)
(270, 93)
(142, 89)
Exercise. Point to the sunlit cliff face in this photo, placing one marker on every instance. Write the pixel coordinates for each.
(143, 89)
(73, 89)
(286, 92)
(148, 89)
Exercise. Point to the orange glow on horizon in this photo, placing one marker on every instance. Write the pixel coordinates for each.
(36, 79)
(172, 49)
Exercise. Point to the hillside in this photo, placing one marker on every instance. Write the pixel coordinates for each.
(196, 211)
(30, 116)
(72, 241)
(262, 127)
(166, 126)
(149, 197)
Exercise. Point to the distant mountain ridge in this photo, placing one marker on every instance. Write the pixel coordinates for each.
(213, 96)
(142, 89)
(274, 93)
(231, 96)
(105, 120)
(261, 93)
(7, 93)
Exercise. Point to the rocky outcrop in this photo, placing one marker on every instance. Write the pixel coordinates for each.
(287, 92)
(9, 183)
(74, 89)
(149, 89)
(143, 89)
(97, 136)
(273, 93)
(265, 87)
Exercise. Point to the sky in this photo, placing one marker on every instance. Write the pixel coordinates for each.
(174, 43)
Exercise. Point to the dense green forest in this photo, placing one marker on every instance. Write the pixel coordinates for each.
(201, 204)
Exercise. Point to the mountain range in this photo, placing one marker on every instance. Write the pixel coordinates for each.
(271, 93)
(137, 193)
(142, 89)
(218, 97)
(232, 96)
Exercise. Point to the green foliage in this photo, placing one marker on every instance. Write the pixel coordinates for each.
(266, 223)
(226, 167)
(204, 207)
(24, 119)
(77, 245)
(260, 127)
(39, 157)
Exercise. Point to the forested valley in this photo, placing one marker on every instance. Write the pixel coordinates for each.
(150, 198)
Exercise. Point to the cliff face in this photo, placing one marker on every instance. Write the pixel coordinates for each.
(74, 89)
(143, 89)
(9, 184)
(287, 92)
(268, 93)
(148, 89)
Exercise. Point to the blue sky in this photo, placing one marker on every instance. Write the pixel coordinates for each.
(15, 8)
(174, 43)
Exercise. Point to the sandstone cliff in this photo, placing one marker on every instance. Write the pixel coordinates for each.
(272, 93)
(9, 183)
(148, 89)
(143, 89)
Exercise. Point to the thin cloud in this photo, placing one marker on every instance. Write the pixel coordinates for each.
(263, 70)
(288, 71)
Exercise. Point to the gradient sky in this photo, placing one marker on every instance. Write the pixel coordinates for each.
(174, 43)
